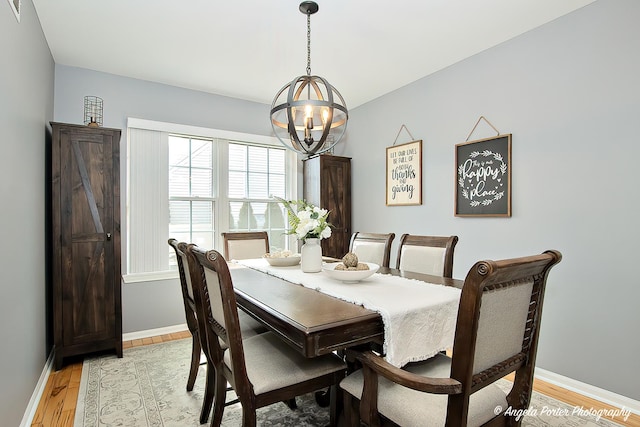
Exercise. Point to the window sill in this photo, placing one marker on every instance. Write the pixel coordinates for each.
(154, 276)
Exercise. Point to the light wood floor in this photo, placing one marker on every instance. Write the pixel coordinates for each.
(57, 405)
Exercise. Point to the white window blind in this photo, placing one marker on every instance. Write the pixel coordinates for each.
(148, 213)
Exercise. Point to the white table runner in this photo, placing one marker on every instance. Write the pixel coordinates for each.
(419, 318)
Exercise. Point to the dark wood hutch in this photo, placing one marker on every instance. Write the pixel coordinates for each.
(84, 233)
(327, 184)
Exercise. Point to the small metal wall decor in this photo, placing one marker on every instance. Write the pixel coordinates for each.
(93, 111)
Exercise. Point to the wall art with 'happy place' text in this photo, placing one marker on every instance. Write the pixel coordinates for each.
(483, 177)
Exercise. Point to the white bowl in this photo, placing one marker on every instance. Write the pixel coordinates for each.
(349, 276)
(288, 261)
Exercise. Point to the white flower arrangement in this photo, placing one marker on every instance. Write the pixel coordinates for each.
(307, 221)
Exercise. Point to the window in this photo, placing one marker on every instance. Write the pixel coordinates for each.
(192, 184)
(191, 201)
(255, 174)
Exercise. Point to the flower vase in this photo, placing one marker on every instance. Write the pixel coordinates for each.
(311, 256)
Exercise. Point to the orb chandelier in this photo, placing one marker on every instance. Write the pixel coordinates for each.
(308, 115)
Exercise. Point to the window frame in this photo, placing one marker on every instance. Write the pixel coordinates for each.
(221, 138)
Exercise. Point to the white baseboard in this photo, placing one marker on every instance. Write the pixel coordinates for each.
(602, 395)
(32, 407)
(154, 332)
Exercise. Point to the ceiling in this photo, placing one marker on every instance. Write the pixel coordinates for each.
(249, 49)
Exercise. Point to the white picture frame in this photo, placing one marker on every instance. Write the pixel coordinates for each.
(16, 6)
(404, 174)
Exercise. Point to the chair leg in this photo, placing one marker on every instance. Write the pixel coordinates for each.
(291, 403)
(195, 360)
(248, 416)
(323, 397)
(220, 399)
(209, 394)
(350, 410)
(335, 404)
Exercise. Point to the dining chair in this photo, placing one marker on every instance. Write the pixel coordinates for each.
(248, 245)
(245, 244)
(190, 314)
(372, 247)
(496, 334)
(426, 254)
(262, 369)
(248, 325)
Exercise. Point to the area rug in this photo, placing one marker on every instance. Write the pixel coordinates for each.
(147, 388)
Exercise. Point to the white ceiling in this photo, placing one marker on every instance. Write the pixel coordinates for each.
(249, 49)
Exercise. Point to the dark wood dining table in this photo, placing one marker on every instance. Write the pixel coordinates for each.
(312, 322)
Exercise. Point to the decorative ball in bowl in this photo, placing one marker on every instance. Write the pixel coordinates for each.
(282, 258)
(349, 276)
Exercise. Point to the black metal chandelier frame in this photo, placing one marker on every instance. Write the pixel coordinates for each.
(296, 120)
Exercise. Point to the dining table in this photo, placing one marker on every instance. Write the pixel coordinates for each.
(407, 316)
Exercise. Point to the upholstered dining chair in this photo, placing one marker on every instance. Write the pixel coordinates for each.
(372, 247)
(248, 325)
(245, 244)
(262, 369)
(427, 254)
(496, 334)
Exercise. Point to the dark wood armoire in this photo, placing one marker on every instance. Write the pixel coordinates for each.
(327, 183)
(85, 240)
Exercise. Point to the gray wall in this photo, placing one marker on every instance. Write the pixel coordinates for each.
(569, 94)
(26, 105)
(150, 305)
(124, 97)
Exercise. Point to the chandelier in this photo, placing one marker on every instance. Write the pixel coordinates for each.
(308, 115)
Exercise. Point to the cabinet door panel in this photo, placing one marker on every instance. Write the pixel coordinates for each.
(87, 273)
(327, 183)
(336, 179)
(88, 295)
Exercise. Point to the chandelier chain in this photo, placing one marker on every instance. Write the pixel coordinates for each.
(308, 44)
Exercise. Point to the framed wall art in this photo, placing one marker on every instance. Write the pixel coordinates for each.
(404, 174)
(483, 177)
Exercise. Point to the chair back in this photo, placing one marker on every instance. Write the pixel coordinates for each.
(427, 254)
(498, 326)
(185, 280)
(245, 245)
(372, 247)
(216, 304)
